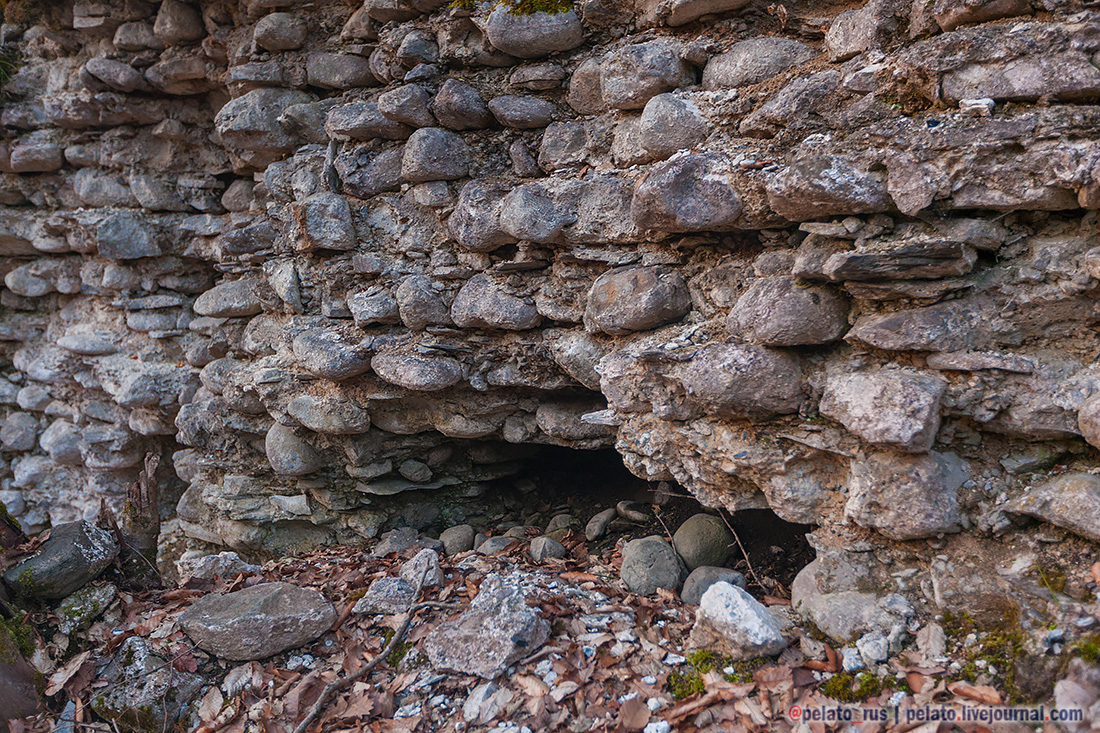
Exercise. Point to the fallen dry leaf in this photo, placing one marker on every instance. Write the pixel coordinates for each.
(917, 681)
(532, 686)
(982, 693)
(634, 714)
(211, 704)
(60, 677)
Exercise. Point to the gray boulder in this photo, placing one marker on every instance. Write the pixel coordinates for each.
(423, 569)
(250, 122)
(459, 538)
(779, 311)
(373, 307)
(950, 14)
(702, 540)
(827, 592)
(330, 355)
(682, 12)
(118, 75)
(1088, 420)
(144, 687)
(824, 185)
(339, 71)
(732, 622)
(418, 373)
(419, 305)
(459, 106)
(364, 121)
(331, 414)
(78, 610)
(325, 221)
(598, 524)
(633, 75)
(177, 23)
(636, 299)
(564, 146)
(906, 497)
(409, 105)
(434, 154)
(754, 61)
(226, 565)
(288, 454)
(19, 432)
(648, 564)
(126, 237)
(498, 628)
(73, 555)
(234, 299)
(366, 175)
(1062, 76)
(898, 408)
(670, 124)
(257, 622)
(546, 547)
(280, 32)
(1071, 501)
(867, 28)
(475, 222)
(386, 596)
(521, 112)
(801, 98)
(743, 381)
(692, 193)
(703, 577)
(533, 35)
(493, 545)
(481, 303)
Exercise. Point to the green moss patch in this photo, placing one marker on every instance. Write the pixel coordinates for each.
(844, 687)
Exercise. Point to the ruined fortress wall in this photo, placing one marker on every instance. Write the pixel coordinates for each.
(347, 265)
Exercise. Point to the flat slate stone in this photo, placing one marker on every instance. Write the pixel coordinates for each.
(498, 628)
(257, 622)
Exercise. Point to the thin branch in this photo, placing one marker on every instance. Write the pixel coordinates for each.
(345, 682)
(744, 552)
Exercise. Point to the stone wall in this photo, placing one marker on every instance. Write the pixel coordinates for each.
(346, 265)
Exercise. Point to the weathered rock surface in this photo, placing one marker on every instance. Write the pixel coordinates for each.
(907, 497)
(703, 540)
(892, 407)
(650, 563)
(734, 623)
(703, 577)
(1068, 501)
(636, 299)
(780, 311)
(144, 687)
(75, 554)
(497, 629)
(754, 61)
(257, 622)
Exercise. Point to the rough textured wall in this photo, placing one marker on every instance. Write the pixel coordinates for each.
(346, 265)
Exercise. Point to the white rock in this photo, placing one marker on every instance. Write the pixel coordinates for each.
(733, 622)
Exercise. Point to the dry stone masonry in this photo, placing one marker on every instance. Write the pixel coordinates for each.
(345, 266)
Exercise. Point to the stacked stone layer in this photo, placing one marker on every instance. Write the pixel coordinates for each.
(348, 265)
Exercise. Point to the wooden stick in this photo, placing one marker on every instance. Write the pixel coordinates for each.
(345, 682)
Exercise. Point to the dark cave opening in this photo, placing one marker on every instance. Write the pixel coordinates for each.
(767, 550)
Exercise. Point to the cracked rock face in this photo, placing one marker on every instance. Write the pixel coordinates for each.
(346, 267)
